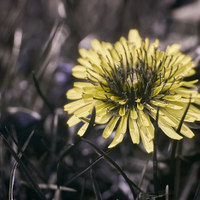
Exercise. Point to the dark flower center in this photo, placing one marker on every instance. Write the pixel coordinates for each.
(137, 82)
(131, 82)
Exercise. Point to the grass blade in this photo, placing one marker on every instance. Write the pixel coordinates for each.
(13, 171)
(167, 192)
(55, 187)
(41, 94)
(85, 170)
(143, 173)
(57, 195)
(64, 153)
(24, 170)
(95, 186)
(12, 181)
(183, 117)
(116, 166)
(197, 193)
(82, 190)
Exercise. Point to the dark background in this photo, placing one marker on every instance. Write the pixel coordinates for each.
(41, 38)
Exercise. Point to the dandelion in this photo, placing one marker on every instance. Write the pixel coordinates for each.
(126, 83)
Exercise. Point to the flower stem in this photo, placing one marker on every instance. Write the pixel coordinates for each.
(155, 161)
(178, 169)
(175, 168)
(155, 168)
(174, 164)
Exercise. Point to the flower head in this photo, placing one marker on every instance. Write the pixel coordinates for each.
(127, 82)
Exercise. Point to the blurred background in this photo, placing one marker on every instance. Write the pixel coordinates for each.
(39, 42)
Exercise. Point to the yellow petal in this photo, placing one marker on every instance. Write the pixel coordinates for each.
(172, 87)
(157, 90)
(138, 100)
(123, 123)
(134, 54)
(94, 76)
(134, 37)
(102, 111)
(106, 46)
(120, 49)
(96, 45)
(90, 90)
(144, 118)
(116, 141)
(172, 97)
(174, 106)
(194, 112)
(134, 114)
(79, 71)
(91, 55)
(186, 59)
(148, 144)
(87, 98)
(146, 43)
(151, 109)
(154, 45)
(73, 120)
(170, 132)
(122, 111)
(150, 130)
(84, 111)
(121, 130)
(134, 131)
(197, 99)
(158, 103)
(71, 107)
(122, 102)
(103, 119)
(100, 105)
(173, 49)
(100, 95)
(176, 116)
(110, 127)
(82, 130)
(85, 63)
(190, 83)
(82, 84)
(186, 131)
(126, 48)
(165, 119)
(97, 68)
(74, 93)
(140, 106)
(187, 92)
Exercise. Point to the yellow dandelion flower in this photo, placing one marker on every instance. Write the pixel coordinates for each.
(127, 82)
